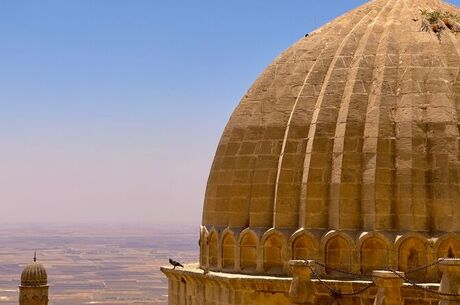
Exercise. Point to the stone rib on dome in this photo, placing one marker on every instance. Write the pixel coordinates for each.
(353, 129)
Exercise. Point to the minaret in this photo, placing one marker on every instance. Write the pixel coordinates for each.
(34, 285)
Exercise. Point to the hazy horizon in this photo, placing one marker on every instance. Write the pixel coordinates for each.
(93, 223)
(111, 111)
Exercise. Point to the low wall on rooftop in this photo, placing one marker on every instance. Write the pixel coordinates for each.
(192, 286)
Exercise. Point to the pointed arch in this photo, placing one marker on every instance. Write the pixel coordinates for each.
(412, 254)
(303, 245)
(374, 251)
(203, 246)
(248, 242)
(213, 249)
(447, 246)
(228, 250)
(338, 252)
(274, 246)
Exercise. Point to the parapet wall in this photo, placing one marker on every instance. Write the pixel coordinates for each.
(193, 286)
(267, 252)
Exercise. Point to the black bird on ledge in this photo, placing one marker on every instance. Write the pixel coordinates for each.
(175, 264)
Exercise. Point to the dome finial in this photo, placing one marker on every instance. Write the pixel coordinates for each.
(35, 256)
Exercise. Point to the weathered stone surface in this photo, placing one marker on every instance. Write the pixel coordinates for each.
(389, 288)
(348, 140)
(302, 290)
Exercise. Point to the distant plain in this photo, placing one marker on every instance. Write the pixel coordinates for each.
(95, 264)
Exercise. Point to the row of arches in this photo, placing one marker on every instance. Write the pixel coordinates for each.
(269, 252)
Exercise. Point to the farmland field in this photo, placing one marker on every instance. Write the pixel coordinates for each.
(95, 264)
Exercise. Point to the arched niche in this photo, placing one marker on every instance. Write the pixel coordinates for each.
(228, 251)
(203, 246)
(213, 246)
(413, 255)
(338, 255)
(449, 248)
(374, 255)
(248, 253)
(304, 248)
(273, 254)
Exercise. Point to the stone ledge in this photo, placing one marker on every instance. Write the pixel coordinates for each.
(195, 271)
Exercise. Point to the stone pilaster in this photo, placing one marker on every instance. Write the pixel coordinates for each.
(389, 288)
(302, 290)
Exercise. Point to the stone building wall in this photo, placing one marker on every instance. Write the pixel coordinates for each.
(192, 287)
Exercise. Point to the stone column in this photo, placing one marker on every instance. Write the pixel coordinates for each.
(389, 288)
(450, 281)
(302, 290)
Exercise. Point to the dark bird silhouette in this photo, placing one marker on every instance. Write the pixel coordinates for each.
(306, 35)
(175, 264)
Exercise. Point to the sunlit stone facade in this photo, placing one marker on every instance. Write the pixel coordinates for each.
(346, 151)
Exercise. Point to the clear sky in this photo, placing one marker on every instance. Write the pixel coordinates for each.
(111, 110)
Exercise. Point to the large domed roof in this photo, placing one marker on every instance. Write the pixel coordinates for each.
(354, 129)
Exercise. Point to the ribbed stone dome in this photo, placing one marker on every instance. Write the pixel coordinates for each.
(352, 133)
(34, 275)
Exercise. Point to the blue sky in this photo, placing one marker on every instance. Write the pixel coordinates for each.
(110, 110)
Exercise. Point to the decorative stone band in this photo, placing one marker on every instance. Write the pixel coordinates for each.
(267, 252)
(33, 295)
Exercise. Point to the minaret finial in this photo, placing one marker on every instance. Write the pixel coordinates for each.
(35, 256)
